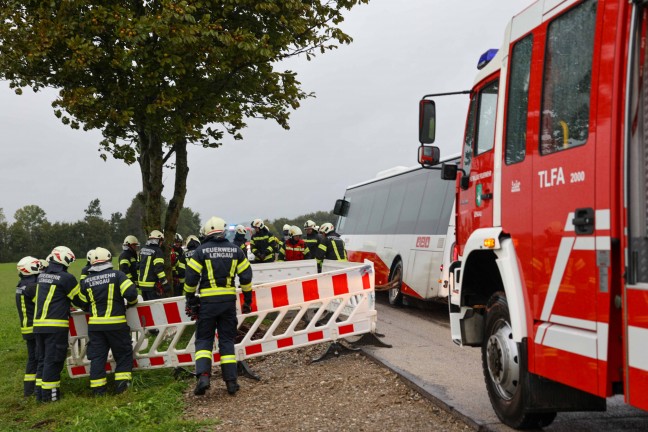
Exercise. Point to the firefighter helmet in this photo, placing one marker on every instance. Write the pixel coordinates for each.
(192, 238)
(100, 255)
(29, 266)
(215, 226)
(258, 223)
(62, 255)
(178, 238)
(156, 234)
(131, 240)
(240, 229)
(326, 228)
(286, 227)
(295, 231)
(89, 255)
(309, 224)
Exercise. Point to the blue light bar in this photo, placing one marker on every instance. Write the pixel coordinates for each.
(486, 58)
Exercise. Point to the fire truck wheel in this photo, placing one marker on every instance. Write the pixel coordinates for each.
(396, 277)
(504, 373)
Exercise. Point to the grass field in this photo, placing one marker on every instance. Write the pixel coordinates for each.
(154, 402)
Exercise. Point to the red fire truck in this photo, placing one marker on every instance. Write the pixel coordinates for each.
(552, 211)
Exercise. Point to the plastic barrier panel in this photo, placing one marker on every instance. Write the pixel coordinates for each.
(274, 271)
(286, 314)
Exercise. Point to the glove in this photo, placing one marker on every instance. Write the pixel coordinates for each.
(247, 303)
(128, 305)
(192, 307)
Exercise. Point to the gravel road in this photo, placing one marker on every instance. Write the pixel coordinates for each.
(343, 393)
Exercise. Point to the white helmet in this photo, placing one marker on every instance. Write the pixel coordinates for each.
(62, 255)
(156, 234)
(100, 255)
(258, 223)
(44, 263)
(295, 231)
(326, 228)
(286, 227)
(178, 238)
(215, 226)
(192, 238)
(89, 255)
(309, 224)
(131, 240)
(29, 266)
(240, 229)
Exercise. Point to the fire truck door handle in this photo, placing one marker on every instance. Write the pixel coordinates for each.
(487, 196)
(583, 221)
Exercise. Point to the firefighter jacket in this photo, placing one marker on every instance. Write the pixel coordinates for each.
(128, 263)
(212, 269)
(105, 291)
(294, 250)
(55, 292)
(240, 241)
(313, 241)
(25, 297)
(178, 264)
(332, 248)
(151, 267)
(263, 245)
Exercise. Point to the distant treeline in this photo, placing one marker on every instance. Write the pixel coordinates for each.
(32, 234)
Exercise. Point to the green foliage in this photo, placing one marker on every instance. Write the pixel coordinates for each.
(154, 403)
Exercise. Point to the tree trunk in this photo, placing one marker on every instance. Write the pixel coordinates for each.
(179, 191)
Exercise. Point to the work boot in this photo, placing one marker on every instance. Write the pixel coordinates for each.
(99, 391)
(202, 386)
(29, 387)
(122, 386)
(39, 394)
(52, 395)
(232, 387)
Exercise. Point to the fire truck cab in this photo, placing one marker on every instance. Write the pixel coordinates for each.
(552, 211)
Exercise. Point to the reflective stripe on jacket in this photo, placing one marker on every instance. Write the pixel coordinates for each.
(25, 297)
(151, 267)
(129, 263)
(294, 251)
(55, 292)
(332, 248)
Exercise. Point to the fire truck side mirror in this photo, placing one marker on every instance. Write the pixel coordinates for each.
(449, 171)
(428, 156)
(427, 121)
(341, 207)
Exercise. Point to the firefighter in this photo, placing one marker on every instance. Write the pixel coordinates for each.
(312, 237)
(107, 292)
(178, 265)
(28, 270)
(294, 249)
(152, 279)
(128, 259)
(240, 238)
(192, 245)
(263, 243)
(286, 232)
(56, 291)
(84, 270)
(331, 247)
(211, 272)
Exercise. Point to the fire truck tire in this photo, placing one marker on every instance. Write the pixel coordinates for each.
(504, 373)
(395, 295)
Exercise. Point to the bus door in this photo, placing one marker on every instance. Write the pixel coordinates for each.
(568, 228)
(475, 199)
(635, 298)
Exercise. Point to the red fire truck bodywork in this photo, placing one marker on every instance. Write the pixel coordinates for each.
(551, 212)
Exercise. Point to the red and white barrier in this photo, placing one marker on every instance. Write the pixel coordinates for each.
(303, 311)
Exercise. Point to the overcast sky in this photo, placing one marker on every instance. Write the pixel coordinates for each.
(363, 120)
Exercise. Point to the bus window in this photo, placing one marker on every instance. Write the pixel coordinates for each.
(394, 203)
(412, 204)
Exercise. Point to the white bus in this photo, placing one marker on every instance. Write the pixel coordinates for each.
(399, 220)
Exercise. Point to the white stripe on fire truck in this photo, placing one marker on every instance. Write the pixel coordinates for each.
(556, 276)
(592, 344)
(601, 220)
(638, 347)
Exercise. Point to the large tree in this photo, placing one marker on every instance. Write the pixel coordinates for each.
(155, 76)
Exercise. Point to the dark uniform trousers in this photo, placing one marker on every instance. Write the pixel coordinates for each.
(102, 341)
(219, 316)
(51, 349)
(29, 386)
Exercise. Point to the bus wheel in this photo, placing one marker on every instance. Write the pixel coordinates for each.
(396, 277)
(504, 373)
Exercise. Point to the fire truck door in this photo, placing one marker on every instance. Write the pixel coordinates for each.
(564, 213)
(635, 296)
